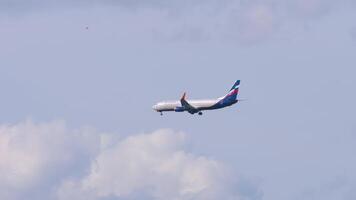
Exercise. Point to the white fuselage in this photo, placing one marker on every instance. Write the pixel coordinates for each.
(172, 105)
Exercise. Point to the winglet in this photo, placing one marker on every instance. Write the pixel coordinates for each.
(183, 97)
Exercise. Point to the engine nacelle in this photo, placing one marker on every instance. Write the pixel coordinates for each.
(179, 109)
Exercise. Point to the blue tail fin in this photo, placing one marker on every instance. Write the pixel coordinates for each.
(234, 91)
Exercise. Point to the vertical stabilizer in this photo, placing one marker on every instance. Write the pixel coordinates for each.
(234, 91)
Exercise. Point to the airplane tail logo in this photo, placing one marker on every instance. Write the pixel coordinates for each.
(234, 91)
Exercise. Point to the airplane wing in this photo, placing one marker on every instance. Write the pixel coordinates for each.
(191, 109)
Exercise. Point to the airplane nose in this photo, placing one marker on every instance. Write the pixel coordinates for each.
(154, 107)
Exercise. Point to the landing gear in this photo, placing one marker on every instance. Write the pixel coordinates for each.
(200, 113)
(161, 113)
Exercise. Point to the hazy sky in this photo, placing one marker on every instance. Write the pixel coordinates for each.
(78, 81)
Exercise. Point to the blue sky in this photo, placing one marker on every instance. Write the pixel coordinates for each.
(91, 90)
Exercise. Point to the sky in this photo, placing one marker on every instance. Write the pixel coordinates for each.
(78, 81)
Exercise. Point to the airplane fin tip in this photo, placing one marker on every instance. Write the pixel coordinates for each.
(184, 94)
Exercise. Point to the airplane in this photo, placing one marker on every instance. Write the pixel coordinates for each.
(197, 106)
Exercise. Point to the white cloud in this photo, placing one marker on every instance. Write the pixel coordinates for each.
(49, 160)
(31, 154)
(153, 165)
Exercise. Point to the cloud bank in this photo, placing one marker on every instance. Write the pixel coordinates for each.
(50, 161)
(34, 156)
